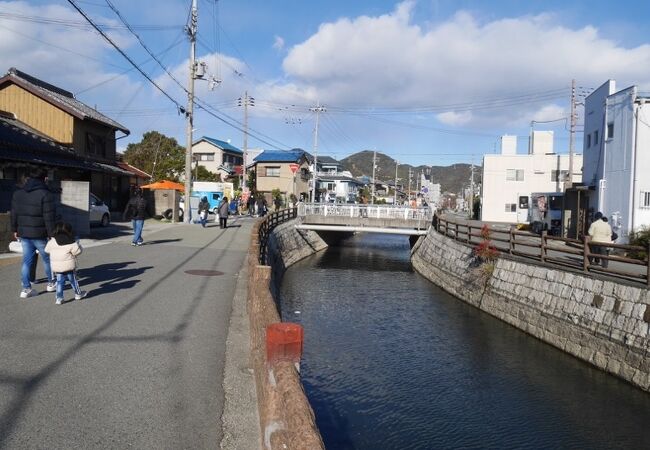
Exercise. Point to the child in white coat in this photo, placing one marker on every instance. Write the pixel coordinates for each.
(63, 250)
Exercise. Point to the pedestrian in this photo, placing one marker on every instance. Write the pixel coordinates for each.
(32, 222)
(223, 213)
(204, 207)
(251, 204)
(136, 211)
(601, 232)
(261, 205)
(63, 249)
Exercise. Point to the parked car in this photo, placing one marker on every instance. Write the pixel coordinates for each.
(99, 212)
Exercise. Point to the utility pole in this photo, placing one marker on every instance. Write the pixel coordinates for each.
(569, 180)
(374, 166)
(409, 198)
(471, 192)
(247, 101)
(317, 109)
(395, 193)
(189, 112)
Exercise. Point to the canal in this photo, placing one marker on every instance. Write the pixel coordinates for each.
(392, 362)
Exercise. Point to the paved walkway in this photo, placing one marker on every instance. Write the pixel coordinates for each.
(140, 362)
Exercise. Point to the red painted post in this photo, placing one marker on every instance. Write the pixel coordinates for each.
(511, 241)
(284, 342)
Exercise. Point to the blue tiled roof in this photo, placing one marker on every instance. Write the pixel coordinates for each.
(221, 144)
(289, 156)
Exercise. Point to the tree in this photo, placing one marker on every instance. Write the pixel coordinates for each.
(158, 155)
(203, 174)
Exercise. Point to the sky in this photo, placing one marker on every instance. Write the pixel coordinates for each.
(427, 82)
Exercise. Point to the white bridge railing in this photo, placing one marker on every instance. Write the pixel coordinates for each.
(366, 211)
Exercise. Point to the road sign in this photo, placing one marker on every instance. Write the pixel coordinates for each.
(294, 167)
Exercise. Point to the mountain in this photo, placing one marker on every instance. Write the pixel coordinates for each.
(451, 178)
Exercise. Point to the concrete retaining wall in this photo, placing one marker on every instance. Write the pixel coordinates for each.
(286, 419)
(601, 322)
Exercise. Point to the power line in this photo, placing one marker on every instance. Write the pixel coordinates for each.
(133, 63)
(79, 24)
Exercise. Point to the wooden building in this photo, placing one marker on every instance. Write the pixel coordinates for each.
(44, 125)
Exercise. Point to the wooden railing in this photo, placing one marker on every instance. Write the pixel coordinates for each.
(573, 253)
(267, 225)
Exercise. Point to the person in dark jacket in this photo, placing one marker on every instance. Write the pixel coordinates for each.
(32, 221)
(223, 213)
(136, 211)
(204, 207)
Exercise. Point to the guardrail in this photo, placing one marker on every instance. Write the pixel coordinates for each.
(366, 211)
(267, 225)
(573, 253)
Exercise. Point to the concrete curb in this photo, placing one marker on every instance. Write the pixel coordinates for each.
(240, 419)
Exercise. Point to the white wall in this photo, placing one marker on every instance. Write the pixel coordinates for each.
(537, 168)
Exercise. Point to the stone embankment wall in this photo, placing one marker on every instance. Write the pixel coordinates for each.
(602, 322)
(286, 419)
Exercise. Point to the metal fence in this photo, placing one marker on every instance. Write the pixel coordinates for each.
(269, 222)
(577, 254)
(366, 211)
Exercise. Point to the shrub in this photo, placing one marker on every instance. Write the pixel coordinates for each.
(641, 238)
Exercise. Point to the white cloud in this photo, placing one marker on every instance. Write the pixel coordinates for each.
(454, 118)
(390, 61)
(278, 43)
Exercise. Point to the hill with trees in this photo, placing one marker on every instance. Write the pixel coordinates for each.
(451, 178)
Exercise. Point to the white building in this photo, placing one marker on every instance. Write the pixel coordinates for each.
(617, 154)
(430, 191)
(333, 184)
(509, 176)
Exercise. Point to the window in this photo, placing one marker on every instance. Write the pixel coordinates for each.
(511, 207)
(514, 175)
(95, 145)
(272, 171)
(563, 174)
(588, 140)
(645, 200)
(331, 186)
(523, 202)
(610, 131)
(596, 137)
(204, 157)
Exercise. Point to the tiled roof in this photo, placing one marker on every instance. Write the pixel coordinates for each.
(288, 156)
(18, 142)
(62, 99)
(221, 144)
(134, 170)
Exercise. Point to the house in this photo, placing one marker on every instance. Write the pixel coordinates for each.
(334, 184)
(286, 170)
(43, 125)
(509, 177)
(218, 157)
(616, 148)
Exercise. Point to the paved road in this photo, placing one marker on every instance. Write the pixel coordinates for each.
(137, 364)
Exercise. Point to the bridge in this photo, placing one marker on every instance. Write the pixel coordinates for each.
(364, 218)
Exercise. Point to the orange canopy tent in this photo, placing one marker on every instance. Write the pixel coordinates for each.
(165, 184)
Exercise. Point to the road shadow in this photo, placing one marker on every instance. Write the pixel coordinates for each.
(112, 231)
(111, 277)
(161, 241)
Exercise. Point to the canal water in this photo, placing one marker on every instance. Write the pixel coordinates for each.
(392, 362)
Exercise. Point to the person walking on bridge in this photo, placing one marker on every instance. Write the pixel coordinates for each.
(600, 231)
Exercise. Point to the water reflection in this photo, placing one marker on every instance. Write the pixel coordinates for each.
(393, 362)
